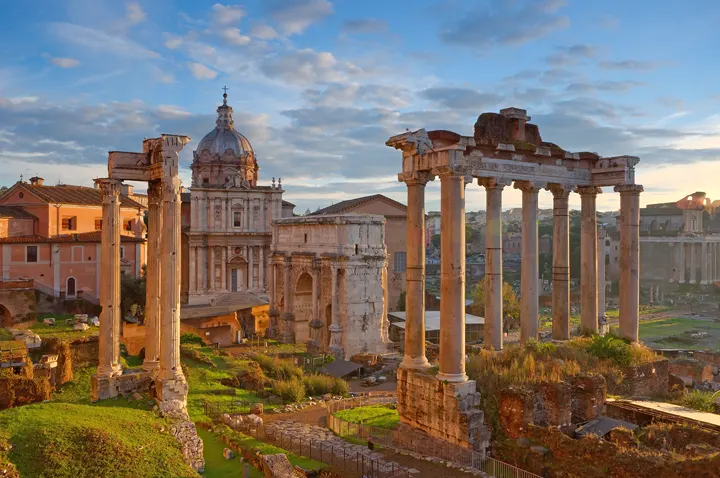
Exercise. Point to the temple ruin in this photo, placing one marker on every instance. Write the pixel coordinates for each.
(158, 165)
(505, 149)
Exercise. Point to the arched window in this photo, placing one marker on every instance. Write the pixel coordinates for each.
(70, 288)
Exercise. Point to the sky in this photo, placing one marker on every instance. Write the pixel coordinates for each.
(318, 86)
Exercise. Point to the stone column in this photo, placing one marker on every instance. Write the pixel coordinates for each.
(336, 348)
(251, 267)
(315, 323)
(414, 356)
(452, 276)
(288, 316)
(601, 276)
(682, 265)
(703, 262)
(109, 344)
(153, 277)
(261, 250)
(561, 263)
(693, 263)
(629, 260)
(192, 254)
(493, 333)
(530, 268)
(212, 268)
(208, 214)
(223, 269)
(588, 260)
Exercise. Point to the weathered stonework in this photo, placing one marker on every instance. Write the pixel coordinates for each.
(445, 410)
(191, 445)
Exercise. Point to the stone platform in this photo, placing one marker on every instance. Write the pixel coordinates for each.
(443, 410)
(128, 383)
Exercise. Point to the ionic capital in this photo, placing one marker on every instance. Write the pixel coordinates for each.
(560, 191)
(629, 189)
(416, 178)
(110, 189)
(494, 183)
(529, 186)
(588, 190)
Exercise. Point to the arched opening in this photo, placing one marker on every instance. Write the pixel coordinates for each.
(302, 307)
(70, 287)
(5, 317)
(237, 273)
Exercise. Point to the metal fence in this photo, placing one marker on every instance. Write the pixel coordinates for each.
(339, 459)
(434, 448)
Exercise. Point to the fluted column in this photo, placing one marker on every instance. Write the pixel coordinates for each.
(561, 263)
(414, 356)
(601, 274)
(703, 263)
(153, 277)
(452, 276)
(588, 260)
(629, 260)
(109, 344)
(493, 333)
(530, 268)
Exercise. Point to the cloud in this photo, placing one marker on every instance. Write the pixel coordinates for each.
(571, 55)
(263, 32)
(294, 16)
(638, 65)
(201, 72)
(227, 14)
(233, 36)
(307, 67)
(64, 62)
(101, 42)
(364, 26)
(608, 85)
(134, 13)
(608, 22)
(349, 94)
(460, 98)
(508, 23)
(172, 41)
(171, 112)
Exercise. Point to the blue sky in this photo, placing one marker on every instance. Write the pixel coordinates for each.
(319, 85)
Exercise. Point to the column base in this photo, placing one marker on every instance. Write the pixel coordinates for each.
(152, 366)
(681, 282)
(452, 377)
(172, 395)
(691, 282)
(704, 282)
(415, 363)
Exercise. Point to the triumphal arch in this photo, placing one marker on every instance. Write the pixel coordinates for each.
(504, 150)
(158, 165)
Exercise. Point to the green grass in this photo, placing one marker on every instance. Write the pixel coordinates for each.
(69, 440)
(4, 334)
(674, 326)
(216, 466)
(697, 400)
(61, 330)
(380, 416)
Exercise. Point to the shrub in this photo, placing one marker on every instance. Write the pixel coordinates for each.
(698, 400)
(340, 387)
(292, 390)
(318, 384)
(192, 351)
(610, 347)
(189, 338)
(278, 369)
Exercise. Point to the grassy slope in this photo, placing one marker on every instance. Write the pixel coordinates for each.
(216, 466)
(72, 440)
(375, 415)
(61, 330)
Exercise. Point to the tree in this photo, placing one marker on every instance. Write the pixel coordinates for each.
(468, 233)
(511, 304)
(435, 240)
(400, 306)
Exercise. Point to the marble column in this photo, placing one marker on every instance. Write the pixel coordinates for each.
(561, 263)
(336, 347)
(315, 322)
(288, 317)
(212, 268)
(601, 275)
(703, 263)
(109, 343)
(588, 260)
(629, 260)
(452, 276)
(493, 331)
(251, 267)
(682, 264)
(530, 268)
(223, 269)
(693, 263)
(153, 277)
(414, 356)
(261, 264)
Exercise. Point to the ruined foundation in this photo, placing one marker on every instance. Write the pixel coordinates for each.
(128, 383)
(444, 410)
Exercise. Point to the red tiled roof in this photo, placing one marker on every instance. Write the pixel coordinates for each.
(82, 237)
(80, 195)
(343, 206)
(15, 212)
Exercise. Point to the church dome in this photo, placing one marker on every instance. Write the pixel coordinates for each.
(224, 136)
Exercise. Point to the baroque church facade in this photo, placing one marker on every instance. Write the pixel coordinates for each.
(227, 218)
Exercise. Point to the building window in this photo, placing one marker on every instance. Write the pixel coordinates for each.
(69, 223)
(122, 252)
(98, 224)
(31, 254)
(237, 219)
(400, 262)
(128, 225)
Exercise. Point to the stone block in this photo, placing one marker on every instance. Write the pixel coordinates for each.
(102, 388)
(588, 397)
(172, 394)
(277, 466)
